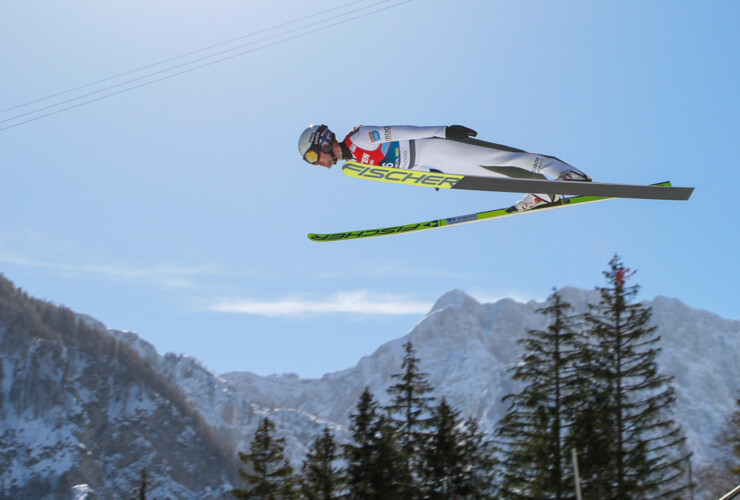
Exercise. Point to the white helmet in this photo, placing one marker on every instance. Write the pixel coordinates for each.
(314, 140)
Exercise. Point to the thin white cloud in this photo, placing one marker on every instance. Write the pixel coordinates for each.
(357, 302)
(165, 275)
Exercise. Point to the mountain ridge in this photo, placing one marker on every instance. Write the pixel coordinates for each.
(466, 348)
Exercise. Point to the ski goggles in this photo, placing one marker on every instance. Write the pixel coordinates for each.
(322, 141)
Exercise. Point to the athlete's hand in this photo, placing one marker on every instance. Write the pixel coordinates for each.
(459, 132)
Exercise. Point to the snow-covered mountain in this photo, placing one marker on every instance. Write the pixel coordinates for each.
(79, 407)
(84, 405)
(466, 349)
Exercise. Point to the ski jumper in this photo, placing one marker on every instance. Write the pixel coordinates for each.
(425, 148)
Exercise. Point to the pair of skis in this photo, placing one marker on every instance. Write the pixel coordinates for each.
(585, 192)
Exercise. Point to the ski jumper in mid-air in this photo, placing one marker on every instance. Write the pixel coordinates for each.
(445, 149)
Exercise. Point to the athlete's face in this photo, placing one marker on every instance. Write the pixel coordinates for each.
(325, 160)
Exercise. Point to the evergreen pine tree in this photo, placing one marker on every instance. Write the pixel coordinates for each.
(642, 450)
(591, 433)
(374, 469)
(144, 486)
(722, 474)
(480, 464)
(734, 439)
(735, 423)
(443, 456)
(410, 409)
(456, 463)
(388, 474)
(359, 453)
(321, 477)
(535, 459)
(268, 474)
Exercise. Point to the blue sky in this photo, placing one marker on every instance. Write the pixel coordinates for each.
(179, 209)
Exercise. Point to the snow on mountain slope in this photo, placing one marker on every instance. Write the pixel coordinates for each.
(701, 350)
(81, 412)
(76, 410)
(233, 417)
(466, 348)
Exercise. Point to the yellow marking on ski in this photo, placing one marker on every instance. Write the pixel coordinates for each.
(400, 176)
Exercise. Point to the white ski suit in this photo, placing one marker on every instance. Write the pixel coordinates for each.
(425, 148)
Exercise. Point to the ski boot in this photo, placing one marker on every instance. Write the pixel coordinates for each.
(531, 201)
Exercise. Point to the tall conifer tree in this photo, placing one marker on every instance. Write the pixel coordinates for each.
(456, 462)
(410, 409)
(268, 473)
(359, 453)
(443, 457)
(734, 439)
(643, 450)
(321, 477)
(374, 469)
(389, 475)
(535, 459)
(411, 401)
(481, 463)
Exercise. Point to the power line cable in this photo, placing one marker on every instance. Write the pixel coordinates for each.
(293, 37)
(182, 56)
